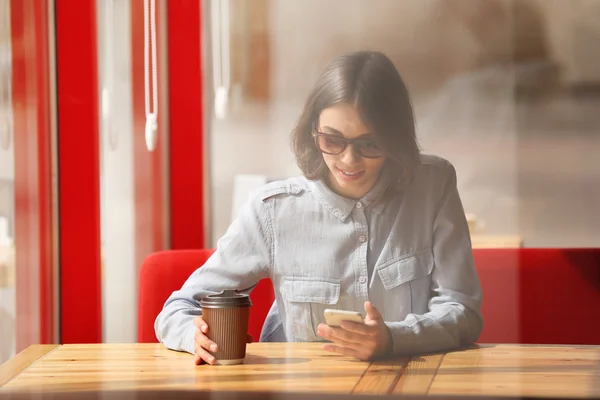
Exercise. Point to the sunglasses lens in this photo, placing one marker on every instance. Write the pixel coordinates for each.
(331, 144)
(369, 148)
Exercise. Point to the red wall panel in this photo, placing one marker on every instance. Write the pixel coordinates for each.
(79, 171)
(186, 125)
(33, 191)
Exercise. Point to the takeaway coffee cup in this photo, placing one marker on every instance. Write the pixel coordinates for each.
(226, 315)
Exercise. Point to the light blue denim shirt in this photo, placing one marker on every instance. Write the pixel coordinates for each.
(411, 256)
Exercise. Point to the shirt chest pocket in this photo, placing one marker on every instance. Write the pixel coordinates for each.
(407, 284)
(306, 300)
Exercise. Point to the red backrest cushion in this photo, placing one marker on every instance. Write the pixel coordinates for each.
(540, 296)
(163, 272)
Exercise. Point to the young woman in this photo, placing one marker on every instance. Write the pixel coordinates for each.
(372, 225)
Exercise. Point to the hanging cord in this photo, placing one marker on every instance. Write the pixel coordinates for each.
(107, 91)
(5, 83)
(221, 56)
(151, 112)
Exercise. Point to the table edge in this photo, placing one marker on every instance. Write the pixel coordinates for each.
(11, 368)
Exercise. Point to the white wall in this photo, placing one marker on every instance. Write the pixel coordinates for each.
(120, 280)
(7, 175)
(7, 163)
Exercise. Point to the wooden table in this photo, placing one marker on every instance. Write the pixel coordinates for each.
(485, 241)
(490, 370)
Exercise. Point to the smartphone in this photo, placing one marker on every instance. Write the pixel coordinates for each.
(335, 317)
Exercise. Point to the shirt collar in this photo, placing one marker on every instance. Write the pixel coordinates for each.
(341, 206)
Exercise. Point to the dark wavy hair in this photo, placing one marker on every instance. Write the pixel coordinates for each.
(369, 81)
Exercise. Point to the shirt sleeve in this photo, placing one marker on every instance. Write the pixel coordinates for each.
(454, 318)
(242, 258)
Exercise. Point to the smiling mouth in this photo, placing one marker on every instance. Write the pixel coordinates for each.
(351, 175)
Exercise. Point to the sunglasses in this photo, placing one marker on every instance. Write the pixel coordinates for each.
(336, 144)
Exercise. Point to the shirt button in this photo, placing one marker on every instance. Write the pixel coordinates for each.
(359, 205)
(362, 279)
(362, 238)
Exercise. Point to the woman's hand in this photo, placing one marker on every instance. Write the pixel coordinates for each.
(203, 344)
(363, 341)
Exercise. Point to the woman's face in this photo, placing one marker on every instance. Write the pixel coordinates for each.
(350, 174)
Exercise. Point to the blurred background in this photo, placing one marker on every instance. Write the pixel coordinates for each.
(507, 90)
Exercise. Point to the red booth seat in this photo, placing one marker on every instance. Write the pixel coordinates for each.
(530, 296)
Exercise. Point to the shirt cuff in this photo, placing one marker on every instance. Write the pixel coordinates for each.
(188, 339)
(403, 338)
